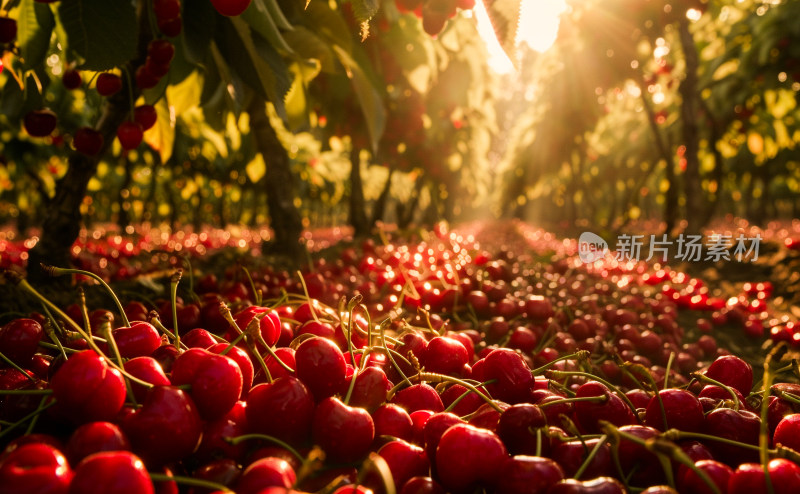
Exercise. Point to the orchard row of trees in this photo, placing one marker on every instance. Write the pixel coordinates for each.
(663, 109)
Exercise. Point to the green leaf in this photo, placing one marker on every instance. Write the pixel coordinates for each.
(35, 27)
(104, 33)
(259, 19)
(364, 10)
(311, 47)
(368, 96)
(328, 24)
(199, 22)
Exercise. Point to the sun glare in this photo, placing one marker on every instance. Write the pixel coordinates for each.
(538, 27)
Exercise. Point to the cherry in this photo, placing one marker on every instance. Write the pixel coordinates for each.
(8, 30)
(732, 371)
(223, 471)
(161, 52)
(513, 379)
(435, 426)
(321, 366)
(94, 437)
(276, 370)
(636, 458)
(691, 483)
(405, 460)
(72, 79)
(466, 404)
(137, 340)
(487, 415)
(216, 381)
(590, 413)
(144, 79)
(749, 478)
(215, 433)
(108, 84)
(40, 123)
(86, 389)
(146, 116)
(88, 141)
(445, 356)
(167, 412)
(19, 340)
(682, 409)
(786, 433)
(467, 456)
(528, 474)
(266, 472)
(393, 421)
(570, 455)
(283, 409)
(370, 389)
(419, 397)
(167, 9)
(516, 425)
(422, 485)
(130, 135)
(599, 485)
(742, 426)
(242, 360)
(147, 369)
(345, 433)
(269, 322)
(171, 27)
(33, 468)
(111, 471)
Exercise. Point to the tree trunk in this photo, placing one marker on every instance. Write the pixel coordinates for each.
(380, 205)
(357, 216)
(285, 220)
(691, 138)
(123, 217)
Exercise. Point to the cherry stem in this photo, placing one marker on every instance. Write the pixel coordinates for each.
(35, 418)
(46, 391)
(389, 353)
(590, 457)
(112, 343)
(763, 433)
(464, 395)
(675, 434)
(309, 300)
(173, 296)
(87, 324)
(646, 373)
(433, 377)
(246, 437)
(580, 355)
(155, 320)
(599, 399)
(54, 271)
(704, 378)
(667, 370)
(178, 479)
(17, 367)
(623, 396)
(256, 292)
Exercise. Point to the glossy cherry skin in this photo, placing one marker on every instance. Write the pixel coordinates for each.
(321, 366)
(242, 360)
(787, 433)
(223, 471)
(466, 404)
(167, 412)
(749, 478)
(216, 381)
(467, 456)
(741, 426)
(515, 426)
(682, 409)
(87, 389)
(369, 390)
(570, 455)
(422, 485)
(198, 338)
(283, 409)
(528, 475)
(436, 425)
(138, 340)
(345, 433)
(513, 376)
(120, 472)
(269, 322)
(264, 473)
(276, 370)
(635, 458)
(445, 356)
(691, 483)
(391, 420)
(733, 371)
(147, 369)
(419, 397)
(19, 340)
(405, 460)
(34, 468)
(215, 433)
(94, 437)
(599, 485)
(613, 410)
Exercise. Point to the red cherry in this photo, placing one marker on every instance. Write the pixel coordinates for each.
(230, 8)
(435, 426)
(391, 420)
(682, 409)
(787, 434)
(570, 455)
(276, 370)
(749, 478)
(242, 360)
(269, 322)
(40, 123)
(370, 389)
(516, 425)
(264, 473)
(733, 371)
(466, 405)
(405, 460)
(34, 468)
(8, 30)
(422, 485)
(161, 51)
(690, 482)
(215, 433)
(137, 340)
(468, 456)
(167, 412)
(512, 375)
(95, 437)
(345, 433)
(527, 474)
(19, 340)
(741, 426)
(157, 70)
(130, 135)
(170, 27)
(72, 79)
(599, 485)
(147, 369)
(419, 397)
(86, 389)
(108, 84)
(88, 141)
(283, 409)
(144, 79)
(145, 116)
(167, 9)
(613, 409)
(216, 381)
(321, 366)
(120, 472)
(445, 356)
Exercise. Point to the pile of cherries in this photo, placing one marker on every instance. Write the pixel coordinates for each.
(412, 367)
